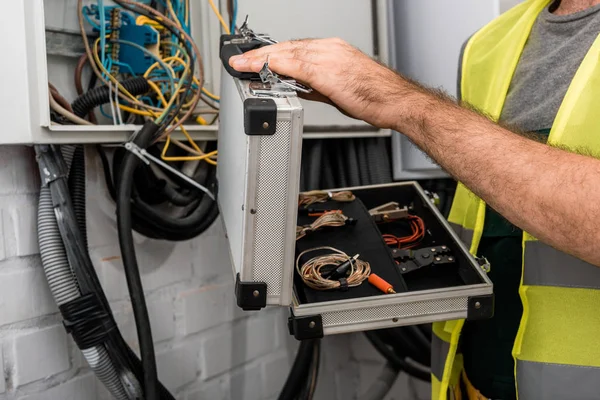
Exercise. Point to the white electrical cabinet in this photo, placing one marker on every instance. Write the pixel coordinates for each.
(41, 37)
(41, 40)
(427, 40)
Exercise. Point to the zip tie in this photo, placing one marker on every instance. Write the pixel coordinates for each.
(145, 156)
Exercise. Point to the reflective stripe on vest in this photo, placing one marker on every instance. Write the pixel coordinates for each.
(559, 381)
(555, 352)
(557, 268)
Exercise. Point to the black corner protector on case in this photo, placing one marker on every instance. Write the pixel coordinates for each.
(251, 296)
(305, 328)
(260, 116)
(480, 307)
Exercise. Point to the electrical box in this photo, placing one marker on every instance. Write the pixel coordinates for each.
(42, 37)
(44, 43)
(258, 174)
(427, 40)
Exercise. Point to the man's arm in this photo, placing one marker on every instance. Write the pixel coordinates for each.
(549, 192)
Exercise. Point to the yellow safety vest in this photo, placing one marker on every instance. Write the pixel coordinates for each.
(557, 348)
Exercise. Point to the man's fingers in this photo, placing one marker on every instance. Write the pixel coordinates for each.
(281, 63)
(309, 50)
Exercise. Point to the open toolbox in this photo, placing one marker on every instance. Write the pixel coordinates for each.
(427, 273)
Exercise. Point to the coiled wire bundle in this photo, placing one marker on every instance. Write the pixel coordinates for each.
(319, 272)
(327, 218)
(318, 196)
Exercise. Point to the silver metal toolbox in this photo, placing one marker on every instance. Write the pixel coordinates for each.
(258, 175)
(260, 145)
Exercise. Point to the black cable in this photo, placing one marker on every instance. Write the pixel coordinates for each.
(310, 385)
(299, 370)
(96, 97)
(76, 182)
(397, 362)
(106, 172)
(120, 353)
(420, 338)
(130, 265)
(403, 343)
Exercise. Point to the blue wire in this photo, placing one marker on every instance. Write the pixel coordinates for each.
(89, 20)
(234, 19)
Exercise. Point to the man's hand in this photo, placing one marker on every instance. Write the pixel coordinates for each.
(352, 81)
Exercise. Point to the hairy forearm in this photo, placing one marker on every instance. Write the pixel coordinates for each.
(551, 193)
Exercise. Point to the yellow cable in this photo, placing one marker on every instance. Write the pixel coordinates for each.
(202, 157)
(218, 14)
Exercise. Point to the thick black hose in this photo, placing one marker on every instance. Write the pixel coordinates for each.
(310, 385)
(77, 189)
(130, 265)
(397, 362)
(299, 370)
(101, 95)
(177, 198)
(110, 186)
(405, 344)
(423, 341)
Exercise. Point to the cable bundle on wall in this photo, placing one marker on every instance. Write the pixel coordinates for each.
(73, 280)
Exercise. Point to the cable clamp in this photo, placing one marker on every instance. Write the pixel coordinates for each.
(388, 212)
(147, 157)
(135, 149)
(268, 76)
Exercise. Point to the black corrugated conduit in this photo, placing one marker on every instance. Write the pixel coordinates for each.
(101, 95)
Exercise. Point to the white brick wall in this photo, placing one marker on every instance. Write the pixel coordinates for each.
(206, 347)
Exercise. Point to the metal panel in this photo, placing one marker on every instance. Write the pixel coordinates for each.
(258, 191)
(271, 207)
(428, 36)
